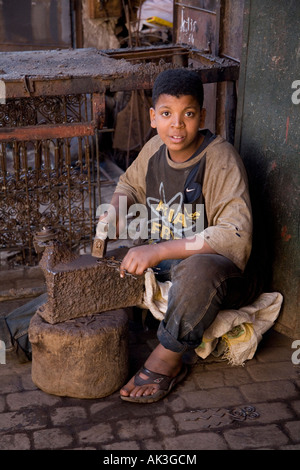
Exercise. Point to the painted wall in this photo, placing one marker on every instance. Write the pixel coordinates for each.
(268, 139)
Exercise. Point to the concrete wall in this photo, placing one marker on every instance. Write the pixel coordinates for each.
(268, 140)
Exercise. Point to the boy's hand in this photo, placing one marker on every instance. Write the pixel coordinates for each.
(139, 259)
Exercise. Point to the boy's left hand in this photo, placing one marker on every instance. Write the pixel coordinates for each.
(140, 258)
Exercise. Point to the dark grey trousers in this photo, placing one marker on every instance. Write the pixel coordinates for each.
(202, 285)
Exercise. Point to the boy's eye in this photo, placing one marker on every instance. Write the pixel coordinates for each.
(166, 113)
(189, 114)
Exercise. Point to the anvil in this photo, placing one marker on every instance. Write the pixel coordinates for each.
(82, 285)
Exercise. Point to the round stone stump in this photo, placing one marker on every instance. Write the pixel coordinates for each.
(83, 358)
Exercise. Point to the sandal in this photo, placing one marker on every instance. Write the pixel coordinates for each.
(165, 382)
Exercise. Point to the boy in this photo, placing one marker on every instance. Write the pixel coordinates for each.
(181, 168)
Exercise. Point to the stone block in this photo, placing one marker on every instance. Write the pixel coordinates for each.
(80, 286)
(255, 437)
(85, 357)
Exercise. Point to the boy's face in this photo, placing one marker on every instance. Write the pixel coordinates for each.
(177, 121)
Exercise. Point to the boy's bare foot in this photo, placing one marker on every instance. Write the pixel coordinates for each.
(161, 361)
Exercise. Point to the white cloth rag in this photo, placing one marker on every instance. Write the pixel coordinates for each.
(234, 334)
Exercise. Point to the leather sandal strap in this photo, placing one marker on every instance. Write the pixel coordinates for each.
(153, 378)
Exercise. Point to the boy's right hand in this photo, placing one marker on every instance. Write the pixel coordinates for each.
(140, 258)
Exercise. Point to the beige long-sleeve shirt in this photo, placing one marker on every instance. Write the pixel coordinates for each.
(154, 179)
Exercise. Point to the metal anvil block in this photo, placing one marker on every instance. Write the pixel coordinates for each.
(81, 285)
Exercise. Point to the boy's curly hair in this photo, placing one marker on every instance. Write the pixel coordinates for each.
(178, 82)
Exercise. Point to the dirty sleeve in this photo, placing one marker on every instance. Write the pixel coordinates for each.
(227, 203)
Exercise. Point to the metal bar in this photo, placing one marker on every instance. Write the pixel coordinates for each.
(160, 49)
(27, 206)
(50, 131)
(218, 32)
(226, 56)
(149, 54)
(14, 88)
(217, 48)
(87, 162)
(175, 18)
(98, 103)
(98, 167)
(215, 75)
(230, 110)
(185, 5)
(242, 79)
(68, 165)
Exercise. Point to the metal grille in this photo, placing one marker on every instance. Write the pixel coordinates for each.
(48, 181)
(49, 127)
(218, 417)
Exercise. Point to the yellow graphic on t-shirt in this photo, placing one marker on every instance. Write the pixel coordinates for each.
(173, 219)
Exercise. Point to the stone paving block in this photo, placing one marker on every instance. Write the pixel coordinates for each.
(27, 383)
(175, 403)
(97, 434)
(255, 437)
(293, 429)
(17, 401)
(84, 448)
(235, 376)
(128, 445)
(152, 444)
(272, 371)
(264, 391)
(277, 354)
(100, 408)
(165, 425)
(209, 379)
(10, 383)
(49, 439)
(296, 406)
(196, 441)
(2, 404)
(140, 412)
(290, 447)
(133, 429)
(16, 441)
(26, 420)
(217, 363)
(213, 398)
(18, 369)
(272, 412)
(68, 416)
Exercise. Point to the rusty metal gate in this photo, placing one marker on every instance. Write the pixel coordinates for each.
(49, 170)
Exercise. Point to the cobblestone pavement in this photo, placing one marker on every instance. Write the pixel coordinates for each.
(217, 407)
